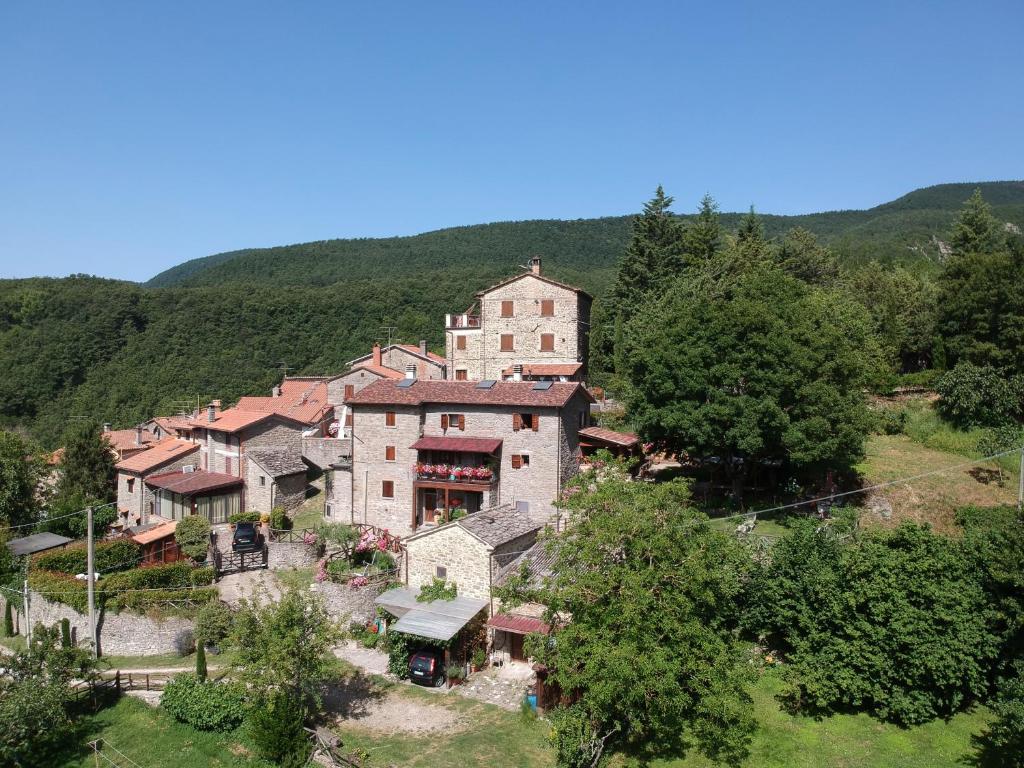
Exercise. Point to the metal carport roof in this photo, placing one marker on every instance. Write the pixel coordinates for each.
(37, 542)
(438, 619)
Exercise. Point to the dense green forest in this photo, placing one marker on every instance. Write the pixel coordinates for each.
(226, 325)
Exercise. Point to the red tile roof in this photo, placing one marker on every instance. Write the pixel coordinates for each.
(124, 439)
(302, 400)
(191, 483)
(155, 534)
(547, 369)
(166, 450)
(518, 625)
(416, 351)
(469, 393)
(625, 439)
(172, 424)
(380, 370)
(461, 444)
(412, 349)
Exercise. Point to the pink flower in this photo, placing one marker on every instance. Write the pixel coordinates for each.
(358, 581)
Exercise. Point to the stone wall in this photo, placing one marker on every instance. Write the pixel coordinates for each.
(122, 634)
(347, 604)
(325, 451)
(369, 470)
(464, 557)
(264, 492)
(287, 554)
(469, 359)
(339, 495)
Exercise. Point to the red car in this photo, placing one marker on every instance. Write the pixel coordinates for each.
(426, 667)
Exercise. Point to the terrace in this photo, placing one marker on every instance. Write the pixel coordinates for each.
(455, 476)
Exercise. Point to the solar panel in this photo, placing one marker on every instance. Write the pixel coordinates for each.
(542, 385)
(485, 384)
(406, 383)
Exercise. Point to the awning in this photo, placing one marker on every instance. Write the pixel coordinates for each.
(437, 620)
(518, 625)
(458, 444)
(194, 483)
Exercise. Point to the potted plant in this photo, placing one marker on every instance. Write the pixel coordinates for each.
(456, 674)
(479, 659)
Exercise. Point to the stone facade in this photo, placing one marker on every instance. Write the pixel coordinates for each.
(290, 554)
(135, 497)
(323, 452)
(357, 378)
(123, 634)
(222, 451)
(347, 604)
(338, 493)
(371, 435)
(264, 492)
(398, 356)
(569, 324)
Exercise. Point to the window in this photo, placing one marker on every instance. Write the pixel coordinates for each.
(547, 307)
(460, 374)
(525, 421)
(460, 342)
(547, 342)
(506, 309)
(387, 489)
(131, 485)
(348, 419)
(583, 419)
(227, 466)
(350, 389)
(507, 342)
(453, 421)
(389, 418)
(441, 572)
(520, 460)
(389, 453)
(263, 480)
(523, 507)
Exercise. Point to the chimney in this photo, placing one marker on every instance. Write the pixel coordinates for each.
(423, 347)
(211, 411)
(376, 354)
(517, 372)
(410, 371)
(106, 426)
(535, 264)
(138, 435)
(276, 391)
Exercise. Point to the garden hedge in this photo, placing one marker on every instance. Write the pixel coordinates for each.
(120, 554)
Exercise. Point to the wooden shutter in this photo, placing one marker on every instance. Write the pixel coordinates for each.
(389, 419)
(517, 461)
(507, 342)
(536, 421)
(350, 389)
(517, 422)
(462, 422)
(389, 453)
(444, 421)
(547, 342)
(387, 489)
(506, 309)
(348, 419)
(547, 307)
(460, 342)
(461, 374)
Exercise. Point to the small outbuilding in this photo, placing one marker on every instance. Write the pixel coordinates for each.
(37, 542)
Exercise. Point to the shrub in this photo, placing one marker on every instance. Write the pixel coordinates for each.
(137, 600)
(213, 623)
(200, 662)
(973, 396)
(244, 517)
(163, 576)
(279, 519)
(337, 533)
(60, 588)
(275, 729)
(119, 554)
(206, 706)
(65, 633)
(193, 536)
(8, 620)
(201, 577)
(438, 589)
(890, 421)
(184, 642)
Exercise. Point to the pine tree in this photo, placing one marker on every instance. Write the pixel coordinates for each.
(8, 621)
(200, 662)
(976, 230)
(87, 467)
(703, 237)
(751, 230)
(65, 633)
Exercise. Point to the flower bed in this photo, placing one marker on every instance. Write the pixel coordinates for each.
(453, 473)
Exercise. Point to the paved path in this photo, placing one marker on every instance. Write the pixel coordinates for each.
(371, 661)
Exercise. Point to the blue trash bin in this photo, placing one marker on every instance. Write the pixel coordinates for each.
(531, 699)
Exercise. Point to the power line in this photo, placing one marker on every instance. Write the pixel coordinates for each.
(51, 519)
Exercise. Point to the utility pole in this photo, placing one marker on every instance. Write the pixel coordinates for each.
(91, 582)
(1020, 484)
(28, 621)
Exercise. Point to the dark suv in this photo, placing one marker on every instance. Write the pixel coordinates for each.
(246, 538)
(426, 667)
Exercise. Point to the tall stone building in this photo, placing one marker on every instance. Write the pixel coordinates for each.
(529, 320)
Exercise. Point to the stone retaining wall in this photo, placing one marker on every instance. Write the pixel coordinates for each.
(347, 604)
(285, 554)
(122, 634)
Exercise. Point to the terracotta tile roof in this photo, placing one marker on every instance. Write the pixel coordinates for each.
(469, 393)
(172, 424)
(191, 483)
(155, 533)
(625, 439)
(430, 355)
(518, 625)
(459, 444)
(546, 279)
(547, 369)
(302, 400)
(231, 419)
(166, 450)
(412, 349)
(124, 439)
(55, 458)
(380, 370)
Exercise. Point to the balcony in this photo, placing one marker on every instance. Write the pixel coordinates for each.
(461, 321)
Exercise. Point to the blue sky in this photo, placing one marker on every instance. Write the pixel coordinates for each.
(135, 136)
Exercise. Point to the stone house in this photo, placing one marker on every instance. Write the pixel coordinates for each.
(398, 357)
(125, 443)
(274, 479)
(509, 626)
(512, 443)
(226, 437)
(170, 426)
(300, 398)
(470, 551)
(135, 500)
(528, 319)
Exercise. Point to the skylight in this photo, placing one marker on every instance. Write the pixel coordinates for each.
(406, 383)
(541, 386)
(485, 384)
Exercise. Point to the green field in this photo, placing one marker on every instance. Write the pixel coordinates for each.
(488, 736)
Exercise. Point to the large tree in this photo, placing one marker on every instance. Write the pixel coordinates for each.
(648, 655)
(87, 467)
(976, 230)
(19, 478)
(753, 367)
(702, 237)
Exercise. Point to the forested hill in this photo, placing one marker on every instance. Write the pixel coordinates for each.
(227, 325)
(584, 251)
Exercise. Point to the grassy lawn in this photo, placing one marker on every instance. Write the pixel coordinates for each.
(16, 643)
(311, 512)
(166, 660)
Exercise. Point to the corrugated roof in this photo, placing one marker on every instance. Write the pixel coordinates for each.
(467, 393)
(191, 483)
(437, 619)
(37, 542)
(518, 625)
(625, 439)
(166, 450)
(277, 463)
(547, 369)
(461, 444)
